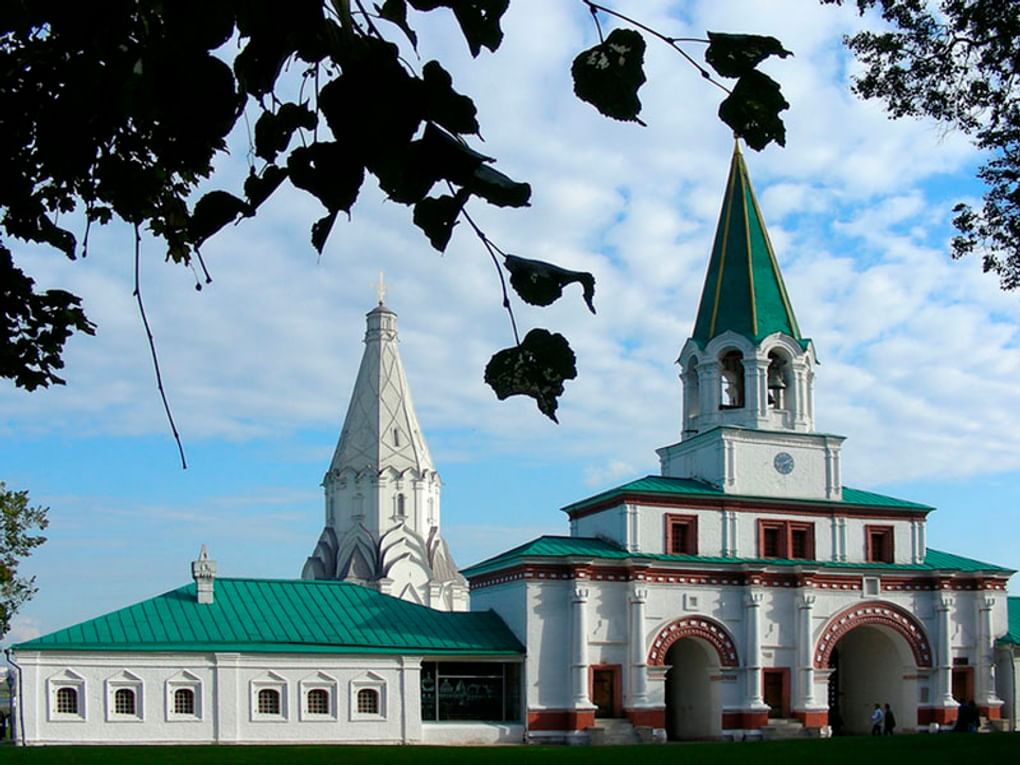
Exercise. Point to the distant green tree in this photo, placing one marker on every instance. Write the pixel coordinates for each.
(17, 541)
(957, 61)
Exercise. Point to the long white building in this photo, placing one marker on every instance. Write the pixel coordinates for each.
(742, 589)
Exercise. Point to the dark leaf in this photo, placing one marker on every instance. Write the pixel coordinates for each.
(214, 211)
(259, 188)
(437, 217)
(497, 189)
(541, 283)
(321, 229)
(395, 12)
(608, 76)
(752, 110)
(444, 105)
(374, 105)
(328, 171)
(737, 55)
(273, 131)
(259, 64)
(450, 157)
(537, 367)
(406, 175)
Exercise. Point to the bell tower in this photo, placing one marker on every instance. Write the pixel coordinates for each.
(748, 373)
(382, 490)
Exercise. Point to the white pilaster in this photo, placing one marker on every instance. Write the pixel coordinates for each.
(752, 654)
(805, 695)
(638, 650)
(943, 671)
(579, 647)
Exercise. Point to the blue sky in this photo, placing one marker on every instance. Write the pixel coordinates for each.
(919, 354)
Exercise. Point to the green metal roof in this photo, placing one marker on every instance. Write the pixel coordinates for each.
(744, 291)
(680, 487)
(1012, 636)
(285, 616)
(553, 547)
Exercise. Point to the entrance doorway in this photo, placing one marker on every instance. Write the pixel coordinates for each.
(776, 690)
(963, 684)
(871, 664)
(693, 706)
(605, 691)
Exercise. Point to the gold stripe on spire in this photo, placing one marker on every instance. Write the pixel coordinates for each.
(745, 187)
(725, 239)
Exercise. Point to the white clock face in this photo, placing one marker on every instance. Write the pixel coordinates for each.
(783, 463)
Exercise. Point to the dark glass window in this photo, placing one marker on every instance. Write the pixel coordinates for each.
(317, 701)
(124, 701)
(880, 544)
(67, 700)
(368, 701)
(269, 702)
(470, 691)
(184, 701)
(771, 542)
(799, 543)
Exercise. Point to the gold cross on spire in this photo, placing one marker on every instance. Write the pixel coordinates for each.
(380, 288)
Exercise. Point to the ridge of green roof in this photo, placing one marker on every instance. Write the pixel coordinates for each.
(1012, 636)
(285, 616)
(744, 290)
(552, 547)
(663, 485)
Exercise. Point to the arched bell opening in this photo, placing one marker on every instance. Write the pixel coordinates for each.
(692, 395)
(780, 382)
(731, 380)
(693, 700)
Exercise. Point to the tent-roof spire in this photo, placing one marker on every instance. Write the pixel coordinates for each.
(744, 290)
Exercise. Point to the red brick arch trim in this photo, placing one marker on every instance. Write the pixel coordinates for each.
(876, 613)
(708, 630)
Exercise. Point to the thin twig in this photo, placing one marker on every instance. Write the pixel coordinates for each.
(598, 25)
(493, 249)
(152, 346)
(368, 20)
(672, 42)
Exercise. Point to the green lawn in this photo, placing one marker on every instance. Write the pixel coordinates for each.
(951, 749)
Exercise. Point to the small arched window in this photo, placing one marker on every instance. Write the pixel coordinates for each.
(67, 701)
(396, 436)
(368, 701)
(731, 379)
(184, 701)
(124, 701)
(317, 701)
(401, 506)
(269, 701)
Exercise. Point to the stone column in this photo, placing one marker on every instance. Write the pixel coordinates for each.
(579, 647)
(752, 657)
(985, 680)
(944, 668)
(756, 396)
(709, 387)
(638, 650)
(805, 671)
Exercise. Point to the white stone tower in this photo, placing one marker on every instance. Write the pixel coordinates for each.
(748, 373)
(382, 490)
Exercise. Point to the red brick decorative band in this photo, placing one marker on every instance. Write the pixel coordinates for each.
(874, 613)
(708, 630)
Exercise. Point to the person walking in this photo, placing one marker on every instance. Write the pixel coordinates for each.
(888, 721)
(876, 721)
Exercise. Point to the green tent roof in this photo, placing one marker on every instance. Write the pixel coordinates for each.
(657, 485)
(744, 291)
(553, 547)
(1012, 636)
(285, 616)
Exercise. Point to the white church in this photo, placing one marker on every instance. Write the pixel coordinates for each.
(744, 590)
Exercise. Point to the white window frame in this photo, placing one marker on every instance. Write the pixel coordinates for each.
(269, 681)
(322, 682)
(368, 681)
(125, 680)
(183, 681)
(65, 679)
(871, 587)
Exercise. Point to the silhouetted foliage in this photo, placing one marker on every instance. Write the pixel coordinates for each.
(17, 522)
